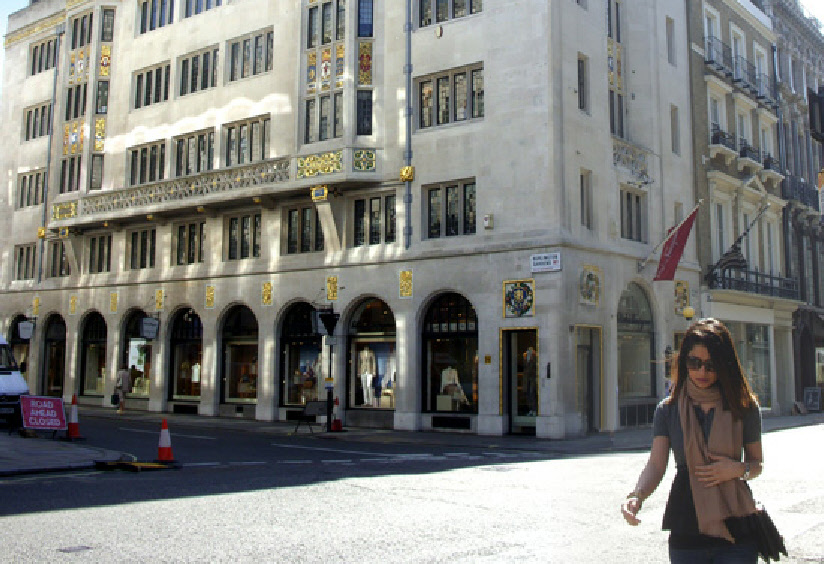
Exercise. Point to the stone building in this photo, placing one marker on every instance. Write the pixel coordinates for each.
(477, 189)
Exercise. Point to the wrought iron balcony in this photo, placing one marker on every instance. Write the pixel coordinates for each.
(771, 163)
(721, 137)
(747, 151)
(719, 55)
(765, 89)
(744, 73)
(794, 188)
(753, 282)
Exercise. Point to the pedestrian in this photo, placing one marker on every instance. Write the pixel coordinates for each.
(123, 386)
(709, 420)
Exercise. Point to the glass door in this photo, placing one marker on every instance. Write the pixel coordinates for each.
(520, 376)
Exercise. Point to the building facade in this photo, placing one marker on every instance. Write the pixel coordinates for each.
(480, 205)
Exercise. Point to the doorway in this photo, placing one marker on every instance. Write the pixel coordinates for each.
(519, 378)
(589, 377)
(55, 366)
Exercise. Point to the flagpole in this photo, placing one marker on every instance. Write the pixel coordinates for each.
(643, 263)
(752, 223)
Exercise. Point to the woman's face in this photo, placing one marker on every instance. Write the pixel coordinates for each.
(701, 369)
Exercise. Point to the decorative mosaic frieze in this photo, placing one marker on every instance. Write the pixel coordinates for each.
(631, 157)
(24, 33)
(311, 73)
(105, 60)
(615, 65)
(64, 211)
(99, 134)
(365, 63)
(321, 163)
(181, 189)
(325, 69)
(209, 297)
(363, 160)
(340, 51)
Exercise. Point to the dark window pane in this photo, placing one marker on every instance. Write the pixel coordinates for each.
(364, 112)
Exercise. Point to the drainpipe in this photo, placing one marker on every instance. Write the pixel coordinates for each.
(782, 162)
(61, 29)
(407, 153)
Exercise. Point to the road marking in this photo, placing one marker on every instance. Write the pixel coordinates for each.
(331, 450)
(255, 463)
(294, 462)
(205, 438)
(343, 461)
(202, 464)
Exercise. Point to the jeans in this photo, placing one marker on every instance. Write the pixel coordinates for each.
(745, 553)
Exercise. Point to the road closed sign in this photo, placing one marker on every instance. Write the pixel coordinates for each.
(43, 413)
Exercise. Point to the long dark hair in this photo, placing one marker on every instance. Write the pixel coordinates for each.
(735, 390)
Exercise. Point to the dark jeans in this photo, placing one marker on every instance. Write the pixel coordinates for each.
(745, 553)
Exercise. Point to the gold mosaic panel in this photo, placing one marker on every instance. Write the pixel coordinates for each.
(67, 129)
(99, 133)
(113, 302)
(266, 294)
(340, 51)
(405, 284)
(72, 305)
(35, 306)
(311, 73)
(34, 29)
(365, 63)
(364, 160)
(158, 300)
(321, 163)
(105, 60)
(210, 297)
(71, 68)
(325, 69)
(331, 288)
(64, 211)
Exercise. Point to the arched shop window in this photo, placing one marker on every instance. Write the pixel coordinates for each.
(450, 352)
(372, 374)
(93, 355)
(55, 365)
(300, 356)
(19, 345)
(240, 360)
(637, 396)
(187, 355)
(137, 355)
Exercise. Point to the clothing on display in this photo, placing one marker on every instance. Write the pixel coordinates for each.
(367, 366)
(451, 386)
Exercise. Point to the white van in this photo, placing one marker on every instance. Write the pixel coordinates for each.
(12, 383)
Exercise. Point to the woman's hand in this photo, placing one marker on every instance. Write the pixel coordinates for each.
(721, 469)
(630, 509)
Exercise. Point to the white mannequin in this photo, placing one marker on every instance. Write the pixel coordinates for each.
(366, 369)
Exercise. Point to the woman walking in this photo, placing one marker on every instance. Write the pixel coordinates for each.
(710, 420)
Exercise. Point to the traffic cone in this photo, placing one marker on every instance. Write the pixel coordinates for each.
(337, 424)
(164, 446)
(73, 432)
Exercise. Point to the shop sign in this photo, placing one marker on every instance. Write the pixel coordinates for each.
(545, 262)
(43, 413)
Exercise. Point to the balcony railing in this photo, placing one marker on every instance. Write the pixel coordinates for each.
(765, 89)
(721, 137)
(744, 73)
(632, 157)
(719, 54)
(747, 151)
(794, 188)
(771, 163)
(754, 282)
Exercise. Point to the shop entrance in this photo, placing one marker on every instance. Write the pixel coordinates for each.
(54, 369)
(93, 355)
(520, 378)
(589, 377)
(19, 345)
(187, 356)
(240, 357)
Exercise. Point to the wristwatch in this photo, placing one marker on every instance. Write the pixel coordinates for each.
(746, 474)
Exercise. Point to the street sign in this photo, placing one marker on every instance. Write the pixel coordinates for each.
(545, 262)
(329, 383)
(43, 413)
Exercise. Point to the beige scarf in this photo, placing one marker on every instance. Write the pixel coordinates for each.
(731, 498)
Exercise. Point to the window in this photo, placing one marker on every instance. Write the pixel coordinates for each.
(38, 121)
(194, 7)
(194, 153)
(244, 62)
(586, 198)
(583, 83)
(446, 9)
(670, 24)
(69, 174)
(147, 163)
(81, 26)
(719, 233)
(96, 174)
(304, 232)
(364, 112)
(616, 113)
(24, 261)
(59, 265)
(633, 215)
(466, 95)
(151, 86)
(142, 249)
(243, 237)
(198, 71)
(246, 141)
(75, 101)
(614, 20)
(365, 18)
(323, 105)
(107, 27)
(101, 105)
(190, 240)
(30, 188)
(451, 209)
(43, 56)
(675, 130)
(100, 253)
(374, 221)
(155, 14)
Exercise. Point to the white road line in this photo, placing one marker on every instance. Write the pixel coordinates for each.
(246, 463)
(344, 461)
(330, 450)
(295, 462)
(202, 464)
(205, 438)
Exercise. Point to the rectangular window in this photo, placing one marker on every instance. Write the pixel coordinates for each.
(340, 19)
(69, 174)
(586, 198)
(59, 263)
(426, 103)
(360, 223)
(446, 9)
(390, 232)
(434, 105)
(156, 76)
(155, 14)
(364, 112)
(193, 153)
(310, 136)
(96, 175)
(583, 103)
(247, 55)
(460, 89)
(338, 120)
(312, 29)
(671, 41)
(148, 163)
(190, 243)
(43, 56)
(246, 141)
(451, 209)
(443, 100)
(38, 121)
(101, 105)
(240, 237)
(100, 254)
(142, 249)
(326, 23)
(633, 215)
(719, 226)
(675, 130)
(304, 232)
(194, 7)
(24, 262)
(374, 221)
(365, 18)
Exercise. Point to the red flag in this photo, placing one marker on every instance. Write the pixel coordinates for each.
(674, 248)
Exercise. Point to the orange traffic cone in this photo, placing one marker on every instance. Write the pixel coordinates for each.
(73, 432)
(164, 446)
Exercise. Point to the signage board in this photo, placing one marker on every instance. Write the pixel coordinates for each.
(43, 413)
(148, 328)
(545, 262)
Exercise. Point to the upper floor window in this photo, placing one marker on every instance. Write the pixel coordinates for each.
(75, 101)
(194, 153)
(189, 244)
(155, 14)
(107, 28)
(96, 173)
(59, 262)
(101, 104)
(100, 253)
(452, 96)
(246, 141)
(142, 246)
(147, 163)
(38, 121)
(304, 232)
(670, 23)
(251, 55)
(69, 174)
(24, 261)
(583, 83)
(585, 184)
(633, 215)
(151, 86)
(243, 237)
(43, 56)
(614, 20)
(365, 18)
(451, 209)
(616, 113)
(194, 7)
(374, 221)
(30, 188)
(444, 10)
(198, 71)
(81, 26)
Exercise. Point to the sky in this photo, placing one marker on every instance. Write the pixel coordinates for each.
(813, 7)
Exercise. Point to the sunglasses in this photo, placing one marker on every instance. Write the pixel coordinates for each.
(695, 363)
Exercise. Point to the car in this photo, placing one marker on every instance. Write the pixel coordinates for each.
(12, 385)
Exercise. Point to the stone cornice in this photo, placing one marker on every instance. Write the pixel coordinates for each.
(35, 28)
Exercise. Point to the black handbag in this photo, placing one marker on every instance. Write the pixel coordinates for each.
(115, 399)
(759, 527)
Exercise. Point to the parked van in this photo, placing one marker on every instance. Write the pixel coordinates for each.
(12, 385)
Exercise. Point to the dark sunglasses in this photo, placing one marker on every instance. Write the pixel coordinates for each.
(695, 363)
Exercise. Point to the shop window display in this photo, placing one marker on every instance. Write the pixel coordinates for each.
(240, 357)
(753, 344)
(94, 355)
(187, 355)
(301, 364)
(138, 356)
(373, 373)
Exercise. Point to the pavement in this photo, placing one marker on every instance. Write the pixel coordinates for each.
(43, 452)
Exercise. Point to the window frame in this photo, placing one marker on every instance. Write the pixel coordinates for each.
(427, 97)
(140, 162)
(248, 238)
(241, 57)
(144, 92)
(440, 221)
(300, 238)
(634, 212)
(380, 208)
(234, 153)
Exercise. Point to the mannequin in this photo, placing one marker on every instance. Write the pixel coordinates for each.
(450, 385)
(366, 369)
